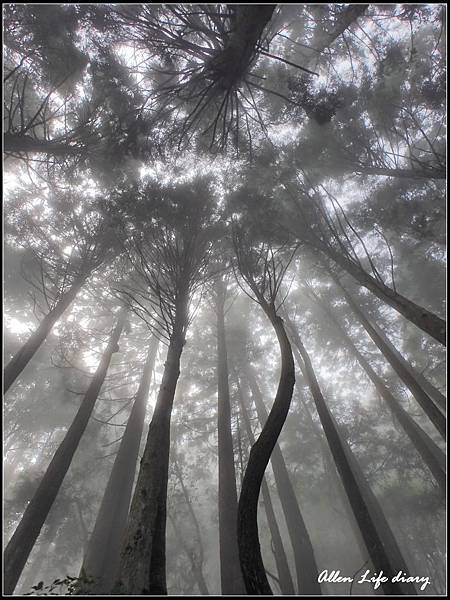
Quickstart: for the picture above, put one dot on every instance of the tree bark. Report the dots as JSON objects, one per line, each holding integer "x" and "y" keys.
{"x": 21, "y": 543}
{"x": 102, "y": 557}
{"x": 230, "y": 569}
{"x": 143, "y": 557}
{"x": 380, "y": 542}
{"x": 422, "y": 318}
{"x": 284, "y": 574}
{"x": 405, "y": 374}
{"x": 430, "y": 452}
{"x": 249, "y": 548}
{"x": 305, "y": 563}
{"x": 23, "y": 356}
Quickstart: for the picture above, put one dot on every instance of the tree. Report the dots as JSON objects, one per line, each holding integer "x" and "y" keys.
{"x": 379, "y": 539}
{"x": 230, "y": 573}
{"x": 21, "y": 543}
{"x": 284, "y": 575}
{"x": 102, "y": 556}
{"x": 263, "y": 271}
{"x": 179, "y": 253}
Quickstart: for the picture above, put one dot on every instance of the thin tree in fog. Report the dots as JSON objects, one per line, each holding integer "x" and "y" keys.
{"x": 375, "y": 530}
{"x": 284, "y": 574}
{"x": 170, "y": 264}
{"x": 230, "y": 570}
{"x": 26, "y": 533}
{"x": 263, "y": 268}
{"x": 432, "y": 455}
{"x": 102, "y": 556}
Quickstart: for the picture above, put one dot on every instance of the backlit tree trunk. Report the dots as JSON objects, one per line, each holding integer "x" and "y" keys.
{"x": 23, "y": 356}
{"x": 375, "y": 530}
{"x": 230, "y": 570}
{"x": 22, "y": 542}
{"x": 305, "y": 562}
{"x": 143, "y": 558}
{"x": 430, "y": 452}
{"x": 249, "y": 548}
{"x": 422, "y": 318}
{"x": 405, "y": 374}
{"x": 102, "y": 557}
{"x": 284, "y": 574}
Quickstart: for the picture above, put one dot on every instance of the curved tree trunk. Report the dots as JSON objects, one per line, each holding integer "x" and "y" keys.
{"x": 230, "y": 569}
{"x": 142, "y": 568}
{"x": 305, "y": 562}
{"x": 375, "y": 530}
{"x": 422, "y": 318}
{"x": 23, "y": 356}
{"x": 430, "y": 452}
{"x": 102, "y": 557}
{"x": 405, "y": 374}
{"x": 284, "y": 574}
{"x": 249, "y": 549}
{"x": 21, "y": 543}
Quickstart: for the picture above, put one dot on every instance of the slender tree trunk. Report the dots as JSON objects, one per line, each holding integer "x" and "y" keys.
{"x": 198, "y": 573}
{"x": 375, "y": 530}
{"x": 422, "y": 318}
{"x": 430, "y": 452}
{"x": 102, "y": 557}
{"x": 142, "y": 568}
{"x": 284, "y": 574}
{"x": 23, "y": 356}
{"x": 435, "y": 395}
{"x": 249, "y": 549}
{"x": 230, "y": 569}
{"x": 405, "y": 374}
{"x": 196, "y": 564}
{"x": 21, "y": 543}
{"x": 305, "y": 563}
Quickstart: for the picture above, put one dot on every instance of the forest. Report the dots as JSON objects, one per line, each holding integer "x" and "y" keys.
{"x": 224, "y": 299}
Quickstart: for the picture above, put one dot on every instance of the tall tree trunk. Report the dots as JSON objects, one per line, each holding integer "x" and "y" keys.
{"x": 196, "y": 564}
{"x": 284, "y": 574}
{"x": 21, "y": 543}
{"x": 23, "y": 356}
{"x": 198, "y": 573}
{"x": 405, "y": 374}
{"x": 430, "y": 452}
{"x": 305, "y": 563}
{"x": 249, "y": 549}
{"x": 375, "y": 530}
{"x": 230, "y": 569}
{"x": 422, "y": 318}
{"x": 143, "y": 558}
{"x": 102, "y": 557}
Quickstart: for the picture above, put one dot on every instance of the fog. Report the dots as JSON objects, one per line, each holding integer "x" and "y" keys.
{"x": 224, "y": 299}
